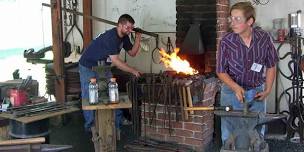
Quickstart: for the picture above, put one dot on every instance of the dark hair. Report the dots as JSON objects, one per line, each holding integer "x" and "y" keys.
{"x": 125, "y": 18}
{"x": 247, "y": 8}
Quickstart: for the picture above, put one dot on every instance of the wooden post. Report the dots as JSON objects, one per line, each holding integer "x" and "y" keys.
{"x": 107, "y": 131}
{"x": 58, "y": 50}
{"x": 87, "y": 23}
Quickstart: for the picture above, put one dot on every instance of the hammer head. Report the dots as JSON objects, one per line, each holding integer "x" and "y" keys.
{"x": 228, "y": 108}
{"x": 225, "y": 108}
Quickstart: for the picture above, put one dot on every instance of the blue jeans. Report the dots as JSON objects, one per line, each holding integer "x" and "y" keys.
{"x": 89, "y": 115}
{"x": 228, "y": 98}
{"x": 85, "y": 75}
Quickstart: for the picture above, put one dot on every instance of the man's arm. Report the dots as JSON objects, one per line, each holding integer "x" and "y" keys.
{"x": 238, "y": 90}
{"x": 270, "y": 75}
{"x": 136, "y": 45}
{"x": 123, "y": 66}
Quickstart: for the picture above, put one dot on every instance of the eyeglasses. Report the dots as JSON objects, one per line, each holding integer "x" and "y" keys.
{"x": 129, "y": 28}
{"x": 236, "y": 19}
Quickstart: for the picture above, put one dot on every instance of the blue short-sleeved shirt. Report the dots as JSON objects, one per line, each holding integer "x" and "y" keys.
{"x": 108, "y": 43}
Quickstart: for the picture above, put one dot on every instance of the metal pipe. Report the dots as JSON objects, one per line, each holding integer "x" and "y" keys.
{"x": 102, "y": 20}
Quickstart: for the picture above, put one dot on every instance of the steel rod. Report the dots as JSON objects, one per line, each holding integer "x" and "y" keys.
{"x": 100, "y": 19}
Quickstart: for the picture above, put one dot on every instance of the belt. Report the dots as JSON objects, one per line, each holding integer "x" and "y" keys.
{"x": 250, "y": 87}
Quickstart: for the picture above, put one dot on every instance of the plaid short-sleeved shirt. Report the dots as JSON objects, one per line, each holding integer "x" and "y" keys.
{"x": 236, "y": 59}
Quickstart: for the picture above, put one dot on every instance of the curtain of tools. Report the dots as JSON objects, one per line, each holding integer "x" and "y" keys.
{"x": 293, "y": 94}
{"x": 70, "y": 20}
{"x": 151, "y": 90}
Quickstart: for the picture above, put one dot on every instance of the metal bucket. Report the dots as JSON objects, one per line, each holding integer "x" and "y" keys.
{"x": 29, "y": 130}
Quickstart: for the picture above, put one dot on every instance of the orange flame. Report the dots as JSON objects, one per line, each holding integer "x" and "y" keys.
{"x": 176, "y": 63}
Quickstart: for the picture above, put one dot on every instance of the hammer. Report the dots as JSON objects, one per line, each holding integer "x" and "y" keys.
{"x": 225, "y": 108}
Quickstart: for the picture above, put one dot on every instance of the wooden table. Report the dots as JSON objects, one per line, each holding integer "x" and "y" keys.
{"x": 105, "y": 121}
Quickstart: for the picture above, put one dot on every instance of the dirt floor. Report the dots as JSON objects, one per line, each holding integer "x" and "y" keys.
{"x": 72, "y": 133}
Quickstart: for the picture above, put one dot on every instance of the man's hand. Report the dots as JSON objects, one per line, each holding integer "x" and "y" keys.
{"x": 136, "y": 73}
{"x": 123, "y": 66}
{"x": 238, "y": 90}
{"x": 136, "y": 45}
{"x": 262, "y": 95}
{"x": 239, "y": 93}
{"x": 138, "y": 36}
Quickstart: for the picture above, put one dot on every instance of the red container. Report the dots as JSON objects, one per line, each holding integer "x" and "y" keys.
{"x": 18, "y": 97}
{"x": 281, "y": 35}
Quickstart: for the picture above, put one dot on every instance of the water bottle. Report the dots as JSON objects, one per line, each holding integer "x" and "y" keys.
{"x": 93, "y": 92}
{"x": 113, "y": 91}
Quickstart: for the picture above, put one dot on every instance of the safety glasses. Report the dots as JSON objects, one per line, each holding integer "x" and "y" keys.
{"x": 236, "y": 19}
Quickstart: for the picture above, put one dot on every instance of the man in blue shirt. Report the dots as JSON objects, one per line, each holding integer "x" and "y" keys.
{"x": 106, "y": 48}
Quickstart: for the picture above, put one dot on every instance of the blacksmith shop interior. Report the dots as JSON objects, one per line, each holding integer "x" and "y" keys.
{"x": 151, "y": 76}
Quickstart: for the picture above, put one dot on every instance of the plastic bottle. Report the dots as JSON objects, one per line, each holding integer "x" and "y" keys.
{"x": 113, "y": 91}
{"x": 93, "y": 92}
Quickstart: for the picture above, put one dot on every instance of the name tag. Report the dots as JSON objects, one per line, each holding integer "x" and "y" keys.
{"x": 256, "y": 67}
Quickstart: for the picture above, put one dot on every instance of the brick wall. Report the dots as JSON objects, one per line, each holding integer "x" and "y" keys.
{"x": 222, "y": 9}
{"x": 196, "y": 132}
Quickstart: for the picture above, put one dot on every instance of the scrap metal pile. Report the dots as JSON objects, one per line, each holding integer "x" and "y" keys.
{"x": 71, "y": 77}
{"x": 168, "y": 89}
{"x": 149, "y": 145}
{"x": 39, "y": 108}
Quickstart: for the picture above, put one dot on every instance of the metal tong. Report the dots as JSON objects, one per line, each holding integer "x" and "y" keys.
{"x": 25, "y": 83}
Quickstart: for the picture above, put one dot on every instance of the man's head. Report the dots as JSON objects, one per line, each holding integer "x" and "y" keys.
{"x": 125, "y": 24}
{"x": 242, "y": 16}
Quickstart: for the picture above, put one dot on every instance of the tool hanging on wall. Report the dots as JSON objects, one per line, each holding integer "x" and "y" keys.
{"x": 170, "y": 47}
{"x": 70, "y": 19}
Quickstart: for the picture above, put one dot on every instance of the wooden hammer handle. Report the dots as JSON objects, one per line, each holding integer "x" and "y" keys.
{"x": 199, "y": 108}
{"x": 23, "y": 141}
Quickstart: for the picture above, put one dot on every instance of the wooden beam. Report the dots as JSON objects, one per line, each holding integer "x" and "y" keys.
{"x": 58, "y": 50}
{"x": 87, "y": 23}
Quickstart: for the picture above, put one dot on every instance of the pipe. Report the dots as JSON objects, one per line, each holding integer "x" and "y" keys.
{"x": 102, "y": 20}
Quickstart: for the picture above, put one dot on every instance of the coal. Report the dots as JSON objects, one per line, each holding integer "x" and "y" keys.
{"x": 276, "y": 145}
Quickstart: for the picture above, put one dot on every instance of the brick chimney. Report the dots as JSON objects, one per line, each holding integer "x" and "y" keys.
{"x": 211, "y": 15}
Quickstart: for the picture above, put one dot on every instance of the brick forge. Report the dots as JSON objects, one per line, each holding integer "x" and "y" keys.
{"x": 196, "y": 132}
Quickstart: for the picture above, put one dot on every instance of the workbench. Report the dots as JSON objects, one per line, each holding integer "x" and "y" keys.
{"x": 105, "y": 121}
{"x": 27, "y": 119}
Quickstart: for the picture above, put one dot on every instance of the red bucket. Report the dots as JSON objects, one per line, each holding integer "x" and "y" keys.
{"x": 18, "y": 97}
